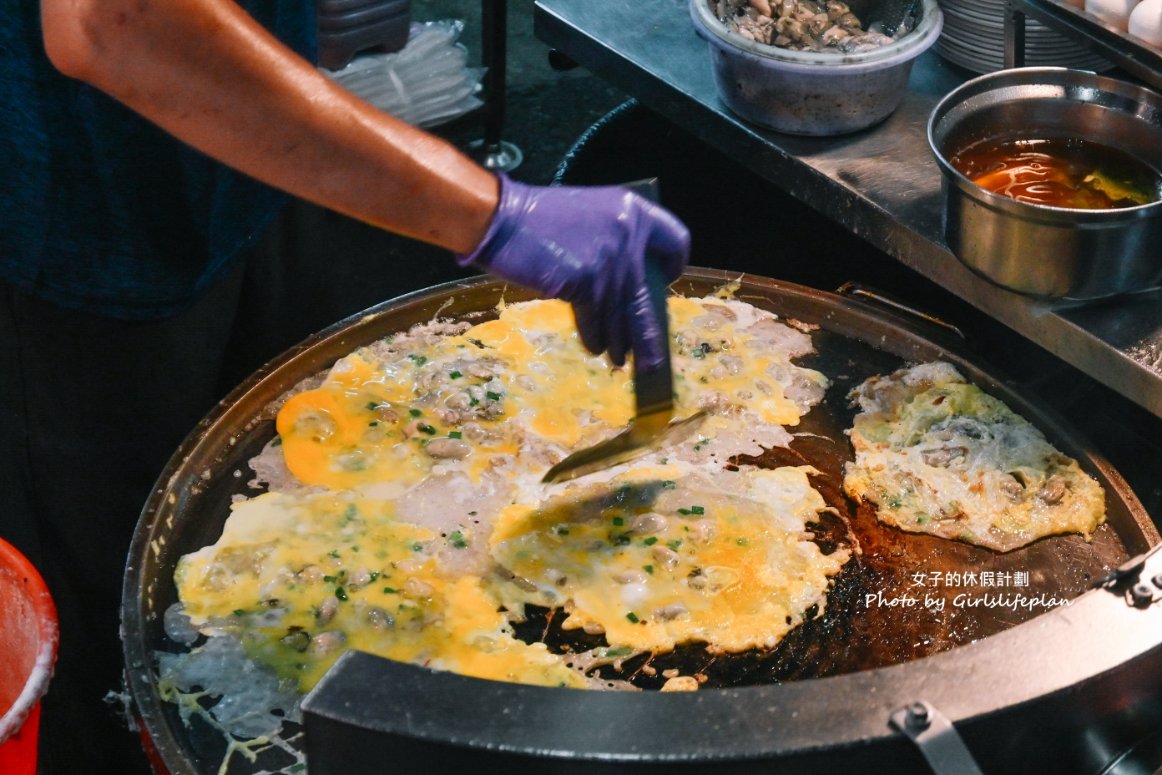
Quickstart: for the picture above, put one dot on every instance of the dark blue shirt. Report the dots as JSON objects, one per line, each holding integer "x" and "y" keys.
{"x": 102, "y": 211}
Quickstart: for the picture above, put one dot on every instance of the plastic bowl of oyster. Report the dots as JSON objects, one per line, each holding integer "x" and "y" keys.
{"x": 812, "y": 67}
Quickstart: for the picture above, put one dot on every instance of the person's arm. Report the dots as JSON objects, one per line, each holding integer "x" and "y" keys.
{"x": 205, "y": 71}
{"x": 209, "y": 74}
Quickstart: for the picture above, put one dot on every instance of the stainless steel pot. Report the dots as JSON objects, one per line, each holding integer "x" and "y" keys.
{"x": 1051, "y": 252}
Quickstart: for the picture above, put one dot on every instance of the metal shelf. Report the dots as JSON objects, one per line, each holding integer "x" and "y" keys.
{"x": 1128, "y": 52}
{"x": 881, "y": 184}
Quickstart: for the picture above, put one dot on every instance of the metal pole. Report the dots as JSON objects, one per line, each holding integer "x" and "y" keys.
{"x": 1014, "y": 36}
{"x": 493, "y": 152}
{"x": 494, "y": 50}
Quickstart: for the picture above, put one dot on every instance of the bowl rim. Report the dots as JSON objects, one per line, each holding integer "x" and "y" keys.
{"x": 20, "y": 574}
{"x": 1025, "y": 76}
{"x": 910, "y": 46}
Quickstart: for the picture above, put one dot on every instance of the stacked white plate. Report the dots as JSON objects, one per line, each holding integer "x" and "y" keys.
{"x": 974, "y": 38}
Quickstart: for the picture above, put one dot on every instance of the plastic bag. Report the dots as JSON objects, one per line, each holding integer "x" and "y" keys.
{"x": 426, "y": 83}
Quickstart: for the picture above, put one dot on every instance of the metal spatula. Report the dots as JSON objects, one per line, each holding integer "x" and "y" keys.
{"x": 654, "y": 395}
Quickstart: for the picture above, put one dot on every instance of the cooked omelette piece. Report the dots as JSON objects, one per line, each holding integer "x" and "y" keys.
{"x": 658, "y": 557}
{"x": 936, "y": 454}
{"x": 301, "y": 579}
{"x": 514, "y": 395}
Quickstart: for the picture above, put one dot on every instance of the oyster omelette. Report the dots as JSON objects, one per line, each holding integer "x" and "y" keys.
{"x": 936, "y": 454}
{"x": 404, "y": 513}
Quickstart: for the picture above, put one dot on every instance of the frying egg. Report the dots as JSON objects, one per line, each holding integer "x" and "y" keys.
{"x": 405, "y": 497}
{"x": 661, "y": 556}
{"x": 520, "y": 392}
{"x": 302, "y": 579}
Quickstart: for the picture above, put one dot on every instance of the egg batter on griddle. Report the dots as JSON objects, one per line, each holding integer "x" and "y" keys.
{"x": 405, "y": 514}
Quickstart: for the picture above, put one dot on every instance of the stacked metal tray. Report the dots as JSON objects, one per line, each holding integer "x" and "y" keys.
{"x": 974, "y": 38}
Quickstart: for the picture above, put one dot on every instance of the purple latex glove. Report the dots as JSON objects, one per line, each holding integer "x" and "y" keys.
{"x": 588, "y": 246}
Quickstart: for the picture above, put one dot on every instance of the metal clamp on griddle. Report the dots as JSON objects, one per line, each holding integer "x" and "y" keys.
{"x": 937, "y": 739}
{"x": 1127, "y": 581}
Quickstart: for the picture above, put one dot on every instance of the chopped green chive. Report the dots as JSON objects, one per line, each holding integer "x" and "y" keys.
{"x": 562, "y": 531}
{"x": 674, "y": 544}
{"x": 414, "y": 412}
{"x": 374, "y": 575}
{"x": 650, "y": 541}
{"x": 648, "y": 569}
{"x": 455, "y": 435}
{"x": 457, "y": 539}
{"x": 373, "y": 423}
{"x": 632, "y": 618}
{"x": 669, "y": 484}
{"x": 428, "y": 429}
{"x": 623, "y": 651}
{"x": 333, "y": 554}
{"x": 239, "y": 612}
{"x": 390, "y": 590}
{"x": 341, "y": 593}
{"x": 372, "y": 406}
{"x": 695, "y": 510}
{"x": 618, "y": 521}
{"x": 455, "y": 374}
{"x": 420, "y": 360}
{"x": 277, "y": 441}
{"x": 417, "y": 547}
{"x": 330, "y": 579}
{"x": 493, "y": 396}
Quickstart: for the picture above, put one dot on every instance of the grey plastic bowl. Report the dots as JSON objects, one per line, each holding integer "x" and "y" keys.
{"x": 1050, "y": 252}
{"x": 812, "y": 92}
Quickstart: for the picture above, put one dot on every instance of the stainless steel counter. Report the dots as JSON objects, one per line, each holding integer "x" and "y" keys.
{"x": 882, "y": 184}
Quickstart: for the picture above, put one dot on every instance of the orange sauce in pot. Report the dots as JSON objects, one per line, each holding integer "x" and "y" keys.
{"x": 1071, "y": 173}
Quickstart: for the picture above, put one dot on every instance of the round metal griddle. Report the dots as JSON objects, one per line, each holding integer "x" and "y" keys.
{"x": 851, "y": 640}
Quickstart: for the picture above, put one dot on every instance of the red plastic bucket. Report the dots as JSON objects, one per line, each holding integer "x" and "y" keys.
{"x": 28, "y": 644}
